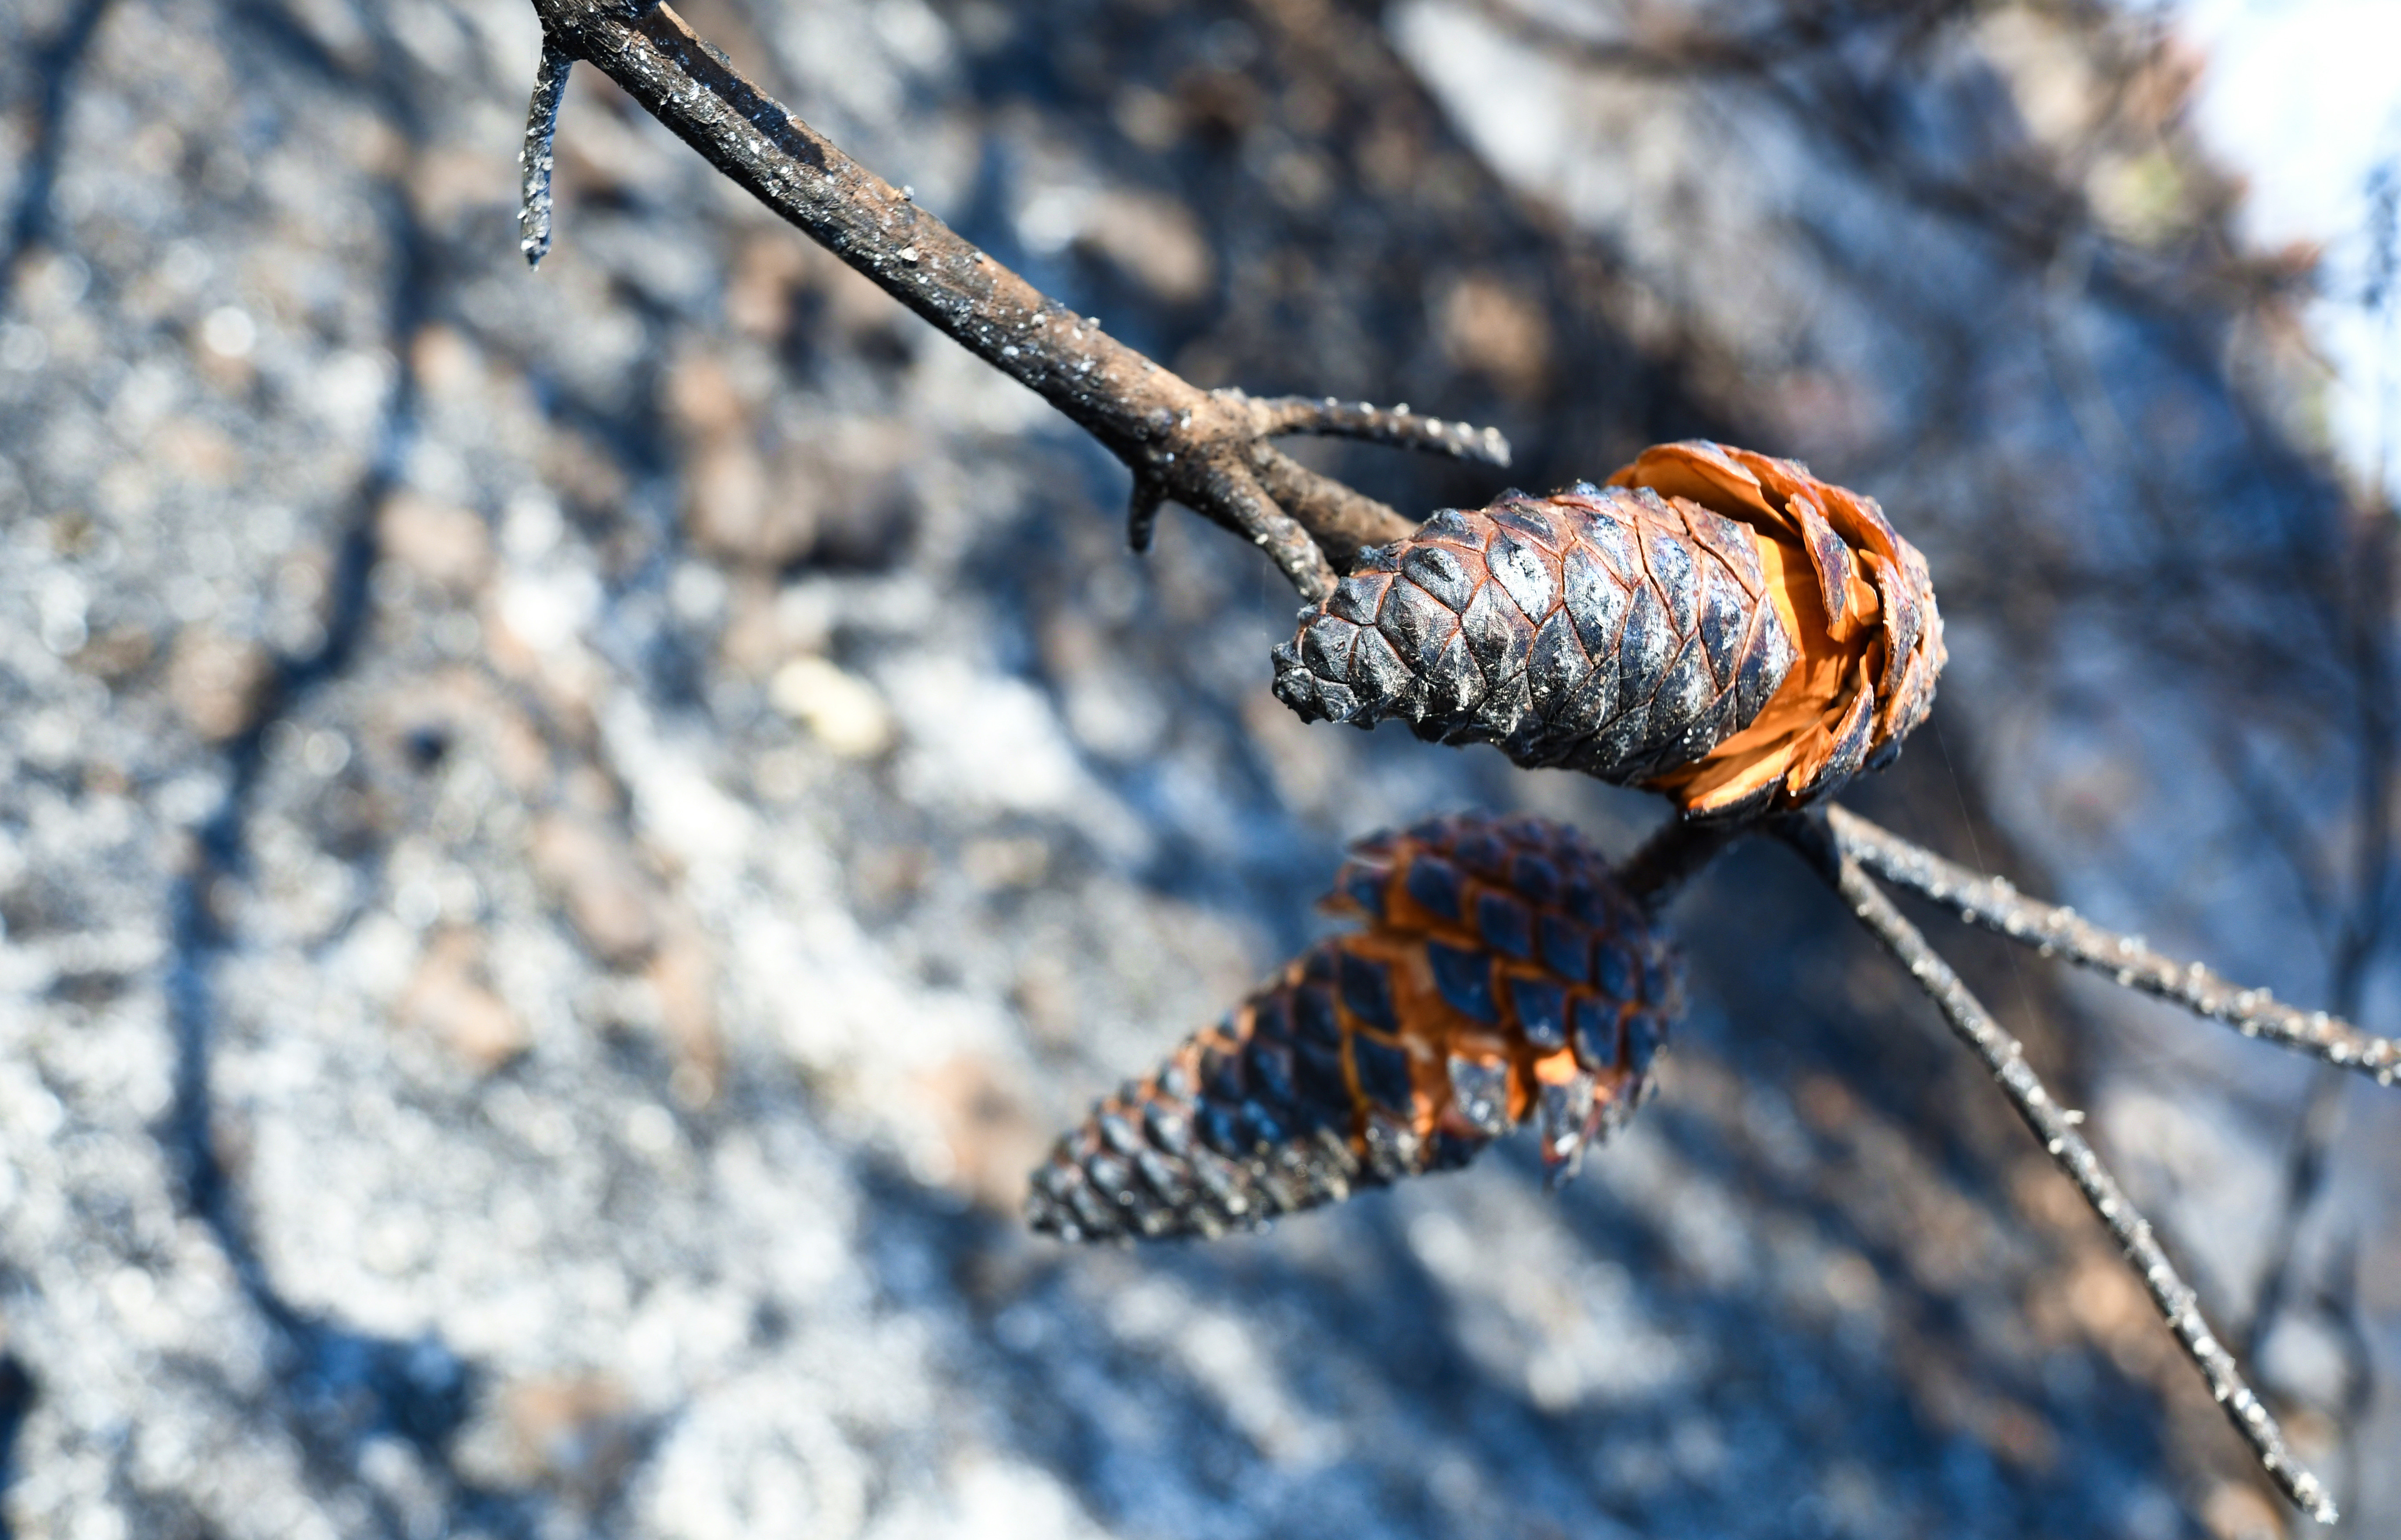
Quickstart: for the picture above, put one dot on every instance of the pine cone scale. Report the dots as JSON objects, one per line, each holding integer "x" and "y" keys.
{"x": 1594, "y": 703}
{"x": 1595, "y": 602}
{"x": 1440, "y": 572}
{"x": 1723, "y": 624}
{"x": 1557, "y": 665}
{"x": 1359, "y": 597}
{"x": 1608, "y": 754}
{"x": 1729, "y": 542}
{"x": 1416, "y": 623}
{"x": 1497, "y": 634}
{"x": 1674, "y": 573}
{"x": 1325, "y": 646}
{"x": 1524, "y": 575}
{"x": 1643, "y": 648}
{"x": 1455, "y": 686}
{"x": 1766, "y": 662}
{"x": 1680, "y": 709}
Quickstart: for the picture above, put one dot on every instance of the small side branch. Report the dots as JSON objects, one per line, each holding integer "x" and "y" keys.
{"x": 1142, "y": 514}
{"x": 1397, "y": 426}
{"x": 1992, "y": 902}
{"x": 2055, "y": 1126}
{"x": 535, "y": 159}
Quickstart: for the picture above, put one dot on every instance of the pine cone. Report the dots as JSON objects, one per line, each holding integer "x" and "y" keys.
{"x": 1715, "y": 624}
{"x": 1503, "y": 976}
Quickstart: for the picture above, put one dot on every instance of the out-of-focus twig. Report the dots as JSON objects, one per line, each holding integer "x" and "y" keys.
{"x": 2305, "y": 1171}
{"x": 2030, "y": 209}
{"x": 2366, "y": 920}
{"x": 1995, "y": 904}
{"x": 2338, "y": 1303}
{"x": 2002, "y": 1055}
{"x": 53, "y": 67}
{"x": 1207, "y": 449}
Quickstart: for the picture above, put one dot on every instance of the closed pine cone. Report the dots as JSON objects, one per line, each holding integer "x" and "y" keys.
{"x": 1716, "y": 624}
{"x": 1502, "y": 977}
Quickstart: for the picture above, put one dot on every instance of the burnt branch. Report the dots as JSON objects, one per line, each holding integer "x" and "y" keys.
{"x": 1206, "y": 449}
{"x": 2051, "y": 930}
{"x": 2004, "y": 1056}
{"x": 534, "y": 163}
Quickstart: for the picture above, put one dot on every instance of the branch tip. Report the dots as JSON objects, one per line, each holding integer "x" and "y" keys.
{"x": 1142, "y": 514}
{"x": 535, "y": 160}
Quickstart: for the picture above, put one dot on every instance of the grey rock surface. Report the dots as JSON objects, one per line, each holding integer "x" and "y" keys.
{"x": 565, "y": 840}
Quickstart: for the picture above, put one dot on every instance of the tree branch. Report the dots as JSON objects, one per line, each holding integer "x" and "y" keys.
{"x": 1993, "y": 904}
{"x": 1206, "y": 449}
{"x": 2055, "y": 1126}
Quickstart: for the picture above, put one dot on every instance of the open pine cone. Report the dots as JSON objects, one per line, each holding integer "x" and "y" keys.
{"x": 1716, "y": 624}
{"x": 1503, "y": 976}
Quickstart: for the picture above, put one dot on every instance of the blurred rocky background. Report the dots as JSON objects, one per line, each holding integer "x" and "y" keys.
{"x": 567, "y": 838}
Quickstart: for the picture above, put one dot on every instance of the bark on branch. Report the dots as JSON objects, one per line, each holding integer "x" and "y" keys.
{"x": 1207, "y": 449}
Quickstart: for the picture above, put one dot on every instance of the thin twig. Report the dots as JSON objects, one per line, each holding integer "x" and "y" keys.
{"x": 1207, "y": 449}
{"x": 1397, "y": 426}
{"x": 534, "y": 161}
{"x": 2305, "y": 1172}
{"x": 1142, "y": 514}
{"x": 2055, "y": 1126}
{"x": 2361, "y": 934}
{"x": 1992, "y": 902}
{"x": 2338, "y": 1304}
{"x": 2031, "y": 216}
{"x": 1672, "y": 857}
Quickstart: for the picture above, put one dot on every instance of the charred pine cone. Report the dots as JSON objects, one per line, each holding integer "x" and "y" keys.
{"x": 1715, "y": 624}
{"x": 1502, "y": 977}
